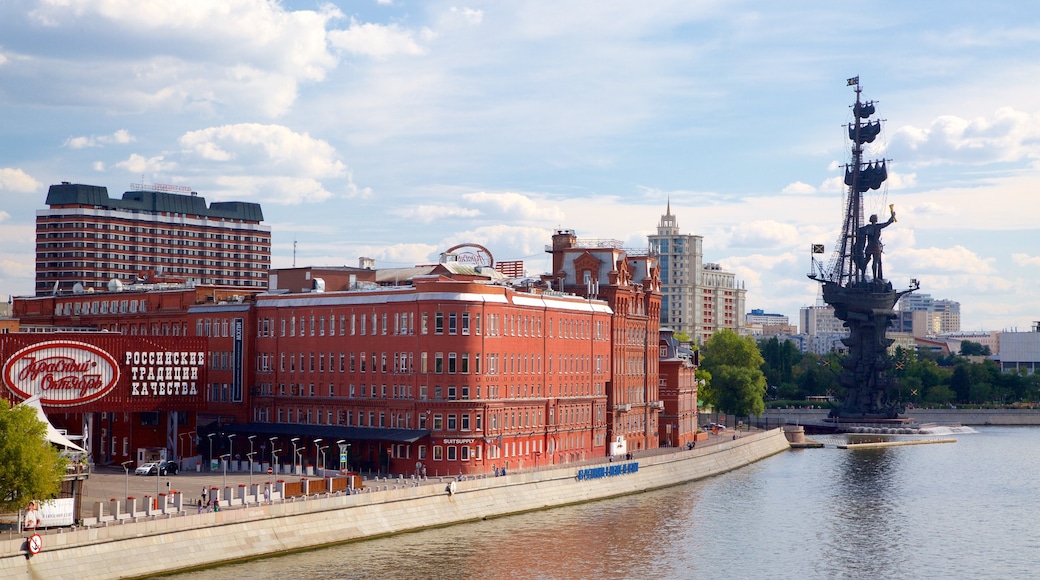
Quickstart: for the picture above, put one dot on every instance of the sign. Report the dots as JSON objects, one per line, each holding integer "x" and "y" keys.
{"x": 56, "y": 512}
{"x": 35, "y": 544}
{"x": 164, "y": 373}
{"x": 270, "y": 471}
{"x": 62, "y": 373}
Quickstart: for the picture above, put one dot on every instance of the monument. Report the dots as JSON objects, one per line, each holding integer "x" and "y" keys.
{"x": 864, "y": 302}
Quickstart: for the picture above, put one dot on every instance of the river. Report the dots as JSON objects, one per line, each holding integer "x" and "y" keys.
{"x": 955, "y": 510}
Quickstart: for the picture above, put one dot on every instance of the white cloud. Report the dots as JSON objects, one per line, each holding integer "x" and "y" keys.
{"x": 376, "y": 40}
{"x": 151, "y": 165}
{"x": 506, "y": 241}
{"x": 470, "y": 15}
{"x": 514, "y": 206}
{"x": 277, "y": 190}
{"x": 17, "y": 180}
{"x": 955, "y": 259}
{"x": 1009, "y": 135}
{"x": 120, "y": 137}
{"x": 799, "y": 188}
{"x": 1026, "y": 260}
{"x": 274, "y": 147}
{"x": 182, "y": 54}
{"x": 763, "y": 234}
{"x": 4, "y": 216}
{"x": 431, "y": 213}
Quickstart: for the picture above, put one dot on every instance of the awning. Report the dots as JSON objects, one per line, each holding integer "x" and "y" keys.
{"x": 327, "y": 432}
{"x": 53, "y": 435}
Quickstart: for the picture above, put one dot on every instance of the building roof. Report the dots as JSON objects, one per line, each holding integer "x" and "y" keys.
{"x": 152, "y": 201}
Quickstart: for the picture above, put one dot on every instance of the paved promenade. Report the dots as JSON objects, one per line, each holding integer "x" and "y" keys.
{"x": 106, "y": 483}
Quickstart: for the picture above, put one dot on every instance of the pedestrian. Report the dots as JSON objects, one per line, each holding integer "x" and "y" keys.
{"x": 200, "y": 508}
{"x": 204, "y": 494}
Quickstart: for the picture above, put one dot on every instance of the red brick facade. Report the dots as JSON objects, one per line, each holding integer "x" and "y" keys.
{"x": 445, "y": 373}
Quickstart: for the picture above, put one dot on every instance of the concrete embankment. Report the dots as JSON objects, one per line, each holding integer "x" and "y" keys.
{"x": 154, "y": 546}
{"x": 879, "y": 444}
{"x": 973, "y": 417}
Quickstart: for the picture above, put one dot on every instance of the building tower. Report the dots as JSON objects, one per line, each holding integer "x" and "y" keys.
{"x": 697, "y": 298}
{"x": 85, "y": 239}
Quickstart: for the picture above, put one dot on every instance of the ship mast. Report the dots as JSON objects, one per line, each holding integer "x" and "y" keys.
{"x": 847, "y": 267}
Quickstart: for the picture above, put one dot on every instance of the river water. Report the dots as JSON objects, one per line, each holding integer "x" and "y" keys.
{"x": 956, "y": 510}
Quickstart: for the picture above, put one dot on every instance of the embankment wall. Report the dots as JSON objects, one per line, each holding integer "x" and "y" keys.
{"x": 975, "y": 417}
{"x": 165, "y": 544}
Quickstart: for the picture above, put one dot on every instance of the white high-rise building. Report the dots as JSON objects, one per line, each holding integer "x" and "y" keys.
{"x": 697, "y": 298}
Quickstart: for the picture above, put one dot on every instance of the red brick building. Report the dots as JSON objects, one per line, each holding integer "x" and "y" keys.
{"x": 678, "y": 389}
{"x": 441, "y": 369}
{"x": 629, "y": 282}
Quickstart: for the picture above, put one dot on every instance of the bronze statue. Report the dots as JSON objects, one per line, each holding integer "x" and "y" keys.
{"x": 869, "y": 241}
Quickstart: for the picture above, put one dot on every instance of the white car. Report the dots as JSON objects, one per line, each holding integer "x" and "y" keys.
{"x": 146, "y": 468}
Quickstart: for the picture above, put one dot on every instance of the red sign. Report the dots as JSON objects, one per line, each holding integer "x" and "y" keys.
{"x": 62, "y": 373}
{"x": 35, "y": 543}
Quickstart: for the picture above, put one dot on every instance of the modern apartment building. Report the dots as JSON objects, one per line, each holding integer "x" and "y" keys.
{"x": 697, "y": 298}
{"x": 944, "y": 316}
{"x": 86, "y": 239}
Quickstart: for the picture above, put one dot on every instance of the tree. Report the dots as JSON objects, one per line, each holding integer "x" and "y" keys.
{"x": 737, "y": 385}
{"x": 972, "y": 348}
{"x": 30, "y": 467}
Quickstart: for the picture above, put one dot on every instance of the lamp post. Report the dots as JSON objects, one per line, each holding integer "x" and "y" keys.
{"x": 342, "y": 451}
{"x": 274, "y": 455}
{"x": 251, "y": 437}
{"x": 231, "y": 447}
{"x": 126, "y": 468}
{"x": 293, "y": 441}
{"x": 210, "y": 457}
{"x": 321, "y": 450}
{"x": 225, "y": 457}
{"x": 250, "y": 456}
{"x": 317, "y": 452}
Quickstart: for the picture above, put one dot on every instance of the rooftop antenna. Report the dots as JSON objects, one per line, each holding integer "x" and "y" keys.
{"x": 294, "y": 252}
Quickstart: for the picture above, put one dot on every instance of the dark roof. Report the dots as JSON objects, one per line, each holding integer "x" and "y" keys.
{"x": 328, "y": 432}
{"x": 152, "y": 201}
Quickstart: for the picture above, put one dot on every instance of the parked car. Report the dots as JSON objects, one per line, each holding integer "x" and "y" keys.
{"x": 714, "y": 427}
{"x": 164, "y": 467}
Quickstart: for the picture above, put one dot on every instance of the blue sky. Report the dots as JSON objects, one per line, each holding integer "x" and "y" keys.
{"x": 395, "y": 130}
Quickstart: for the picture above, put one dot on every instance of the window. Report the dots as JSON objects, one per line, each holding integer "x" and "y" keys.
{"x": 452, "y": 363}
{"x": 465, "y": 323}
{"x": 453, "y": 422}
{"x": 451, "y": 394}
{"x": 438, "y": 323}
{"x": 451, "y": 452}
{"x": 453, "y": 323}
{"x": 438, "y": 422}
{"x": 465, "y": 422}
{"x": 438, "y": 453}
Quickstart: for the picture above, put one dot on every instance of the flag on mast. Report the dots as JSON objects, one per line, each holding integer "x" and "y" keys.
{"x": 853, "y": 81}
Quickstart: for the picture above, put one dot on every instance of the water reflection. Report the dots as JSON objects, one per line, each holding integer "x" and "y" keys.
{"x": 937, "y": 511}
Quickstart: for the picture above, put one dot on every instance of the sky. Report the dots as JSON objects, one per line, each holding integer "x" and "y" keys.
{"x": 396, "y": 129}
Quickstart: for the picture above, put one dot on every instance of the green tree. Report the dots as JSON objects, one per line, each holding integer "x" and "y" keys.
{"x": 737, "y": 385}
{"x": 30, "y": 467}
{"x": 972, "y": 348}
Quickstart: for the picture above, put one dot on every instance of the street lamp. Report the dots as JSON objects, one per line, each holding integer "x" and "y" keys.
{"x": 274, "y": 455}
{"x": 231, "y": 445}
{"x": 342, "y": 451}
{"x": 126, "y": 468}
{"x": 293, "y": 441}
{"x": 317, "y": 452}
{"x": 225, "y": 458}
{"x": 321, "y": 450}
{"x": 251, "y": 437}
{"x": 210, "y": 457}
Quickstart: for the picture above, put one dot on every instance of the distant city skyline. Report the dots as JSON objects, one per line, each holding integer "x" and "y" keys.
{"x": 394, "y": 129}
